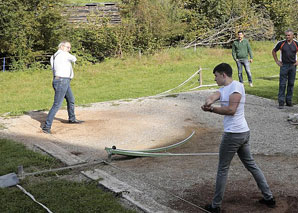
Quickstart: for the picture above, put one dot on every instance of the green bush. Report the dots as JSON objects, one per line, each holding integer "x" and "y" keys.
{"x": 31, "y": 28}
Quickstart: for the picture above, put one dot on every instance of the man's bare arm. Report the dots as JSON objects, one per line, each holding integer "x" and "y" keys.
{"x": 211, "y": 100}
{"x": 234, "y": 101}
{"x": 279, "y": 63}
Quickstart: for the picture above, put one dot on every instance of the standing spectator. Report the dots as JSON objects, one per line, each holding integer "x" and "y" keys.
{"x": 287, "y": 63}
{"x": 240, "y": 51}
{"x": 62, "y": 75}
{"x": 236, "y": 135}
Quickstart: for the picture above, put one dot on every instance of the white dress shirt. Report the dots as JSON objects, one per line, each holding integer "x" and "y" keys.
{"x": 61, "y": 64}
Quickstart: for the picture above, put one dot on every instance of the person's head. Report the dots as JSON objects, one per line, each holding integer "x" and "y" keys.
{"x": 65, "y": 46}
{"x": 240, "y": 35}
{"x": 223, "y": 74}
{"x": 289, "y": 35}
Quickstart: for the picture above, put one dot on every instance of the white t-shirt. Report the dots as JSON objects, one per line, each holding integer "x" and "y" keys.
{"x": 234, "y": 123}
{"x": 61, "y": 64}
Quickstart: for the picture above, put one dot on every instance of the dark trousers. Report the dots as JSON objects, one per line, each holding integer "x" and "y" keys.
{"x": 287, "y": 77}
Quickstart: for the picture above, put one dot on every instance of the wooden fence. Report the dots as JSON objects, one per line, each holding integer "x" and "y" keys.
{"x": 85, "y": 13}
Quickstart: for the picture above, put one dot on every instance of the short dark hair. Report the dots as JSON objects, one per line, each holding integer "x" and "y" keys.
{"x": 289, "y": 31}
{"x": 241, "y": 31}
{"x": 224, "y": 68}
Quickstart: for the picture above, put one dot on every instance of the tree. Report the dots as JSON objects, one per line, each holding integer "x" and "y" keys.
{"x": 153, "y": 24}
{"x": 283, "y": 14}
{"x": 29, "y": 28}
{"x": 221, "y": 20}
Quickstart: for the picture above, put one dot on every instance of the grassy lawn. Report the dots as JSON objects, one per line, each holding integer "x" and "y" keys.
{"x": 133, "y": 77}
{"x": 13, "y": 154}
{"x": 57, "y": 194}
{"x": 130, "y": 77}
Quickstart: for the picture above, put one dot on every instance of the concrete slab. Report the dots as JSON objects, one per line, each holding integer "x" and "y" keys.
{"x": 60, "y": 153}
{"x": 133, "y": 195}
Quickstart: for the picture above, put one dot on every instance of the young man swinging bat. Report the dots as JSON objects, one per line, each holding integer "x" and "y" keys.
{"x": 235, "y": 138}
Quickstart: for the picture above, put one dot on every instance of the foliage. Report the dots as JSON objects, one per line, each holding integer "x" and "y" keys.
{"x": 283, "y": 14}
{"x": 151, "y": 24}
{"x": 205, "y": 17}
{"x": 94, "y": 41}
{"x": 29, "y": 28}
{"x": 89, "y": 1}
{"x": 33, "y": 28}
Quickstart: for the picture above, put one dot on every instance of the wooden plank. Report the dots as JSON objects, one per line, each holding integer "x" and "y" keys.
{"x": 60, "y": 153}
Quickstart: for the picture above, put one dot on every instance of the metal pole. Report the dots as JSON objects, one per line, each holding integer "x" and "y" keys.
{"x": 201, "y": 78}
{"x": 3, "y": 64}
{"x": 20, "y": 171}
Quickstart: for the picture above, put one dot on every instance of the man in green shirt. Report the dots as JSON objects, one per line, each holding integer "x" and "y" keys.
{"x": 240, "y": 51}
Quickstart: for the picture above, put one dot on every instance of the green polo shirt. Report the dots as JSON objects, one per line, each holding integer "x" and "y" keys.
{"x": 240, "y": 50}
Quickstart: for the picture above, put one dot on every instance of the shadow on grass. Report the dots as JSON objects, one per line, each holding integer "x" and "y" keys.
{"x": 270, "y": 78}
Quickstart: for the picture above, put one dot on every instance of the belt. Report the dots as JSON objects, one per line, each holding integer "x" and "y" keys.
{"x": 58, "y": 77}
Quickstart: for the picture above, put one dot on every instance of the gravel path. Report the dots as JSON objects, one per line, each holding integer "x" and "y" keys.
{"x": 157, "y": 121}
{"x": 271, "y": 133}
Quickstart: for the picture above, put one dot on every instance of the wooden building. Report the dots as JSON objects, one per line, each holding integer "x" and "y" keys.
{"x": 88, "y": 12}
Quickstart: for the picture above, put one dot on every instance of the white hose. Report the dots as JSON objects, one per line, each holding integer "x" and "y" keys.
{"x": 31, "y": 196}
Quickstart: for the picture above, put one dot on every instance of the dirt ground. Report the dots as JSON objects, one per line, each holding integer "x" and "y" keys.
{"x": 193, "y": 178}
{"x": 155, "y": 122}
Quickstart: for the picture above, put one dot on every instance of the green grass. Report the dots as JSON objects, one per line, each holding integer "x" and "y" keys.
{"x": 57, "y": 194}
{"x": 13, "y": 154}
{"x": 133, "y": 77}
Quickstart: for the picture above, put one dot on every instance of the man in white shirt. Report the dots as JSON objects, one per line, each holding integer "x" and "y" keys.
{"x": 62, "y": 74}
{"x": 236, "y": 135}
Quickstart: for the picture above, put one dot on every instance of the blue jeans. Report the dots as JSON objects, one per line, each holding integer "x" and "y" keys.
{"x": 231, "y": 144}
{"x": 240, "y": 63}
{"x": 287, "y": 75}
{"x": 62, "y": 90}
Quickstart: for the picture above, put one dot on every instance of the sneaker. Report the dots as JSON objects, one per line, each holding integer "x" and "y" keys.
{"x": 270, "y": 203}
{"x": 75, "y": 121}
{"x": 289, "y": 104}
{"x": 280, "y": 105}
{"x": 47, "y": 131}
{"x": 209, "y": 208}
{"x": 251, "y": 85}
